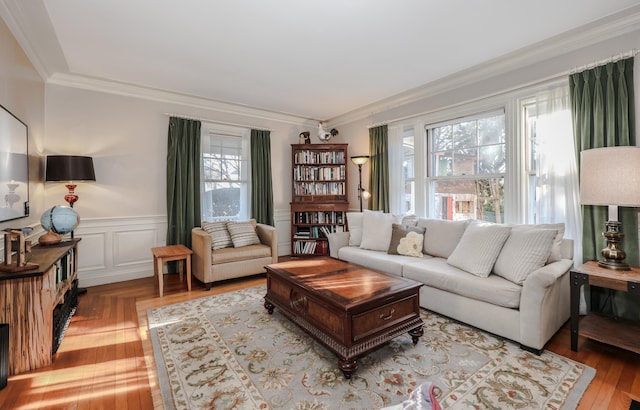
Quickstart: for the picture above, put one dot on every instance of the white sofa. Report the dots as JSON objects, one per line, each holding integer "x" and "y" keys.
{"x": 528, "y": 309}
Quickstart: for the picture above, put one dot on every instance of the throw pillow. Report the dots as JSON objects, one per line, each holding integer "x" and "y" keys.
{"x": 442, "y": 236}
{"x": 243, "y": 234}
{"x": 411, "y": 245}
{"x": 376, "y": 230}
{"x": 479, "y": 248}
{"x": 354, "y": 220}
{"x": 409, "y": 220}
{"x": 220, "y": 237}
{"x": 399, "y": 232}
{"x": 524, "y": 252}
{"x": 556, "y": 253}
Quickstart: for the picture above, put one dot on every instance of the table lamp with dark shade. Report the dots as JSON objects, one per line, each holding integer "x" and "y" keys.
{"x": 611, "y": 176}
{"x": 69, "y": 169}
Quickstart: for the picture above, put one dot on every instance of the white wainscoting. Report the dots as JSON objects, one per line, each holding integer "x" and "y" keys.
{"x": 282, "y": 221}
{"x": 118, "y": 249}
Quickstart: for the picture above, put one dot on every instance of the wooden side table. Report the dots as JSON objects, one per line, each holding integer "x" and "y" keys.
{"x": 163, "y": 254}
{"x": 617, "y": 332}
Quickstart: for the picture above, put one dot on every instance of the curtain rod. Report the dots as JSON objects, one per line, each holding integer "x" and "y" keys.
{"x": 611, "y": 59}
{"x": 233, "y": 124}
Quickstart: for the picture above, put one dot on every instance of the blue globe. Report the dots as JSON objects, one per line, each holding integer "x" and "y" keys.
{"x": 60, "y": 219}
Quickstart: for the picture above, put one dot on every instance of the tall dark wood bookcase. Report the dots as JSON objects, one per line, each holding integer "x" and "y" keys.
{"x": 319, "y": 202}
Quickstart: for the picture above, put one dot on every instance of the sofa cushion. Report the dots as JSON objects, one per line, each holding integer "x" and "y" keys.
{"x": 354, "y": 220}
{"x": 441, "y": 236}
{"x": 381, "y": 261}
{"x": 479, "y": 248}
{"x": 556, "y": 250}
{"x": 376, "y": 230}
{"x": 525, "y": 251}
{"x": 243, "y": 233}
{"x": 398, "y": 232}
{"x": 240, "y": 254}
{"x": 437, "y": 273}
{"x": 220, "y": 237}
{"x": 411, "y": 245}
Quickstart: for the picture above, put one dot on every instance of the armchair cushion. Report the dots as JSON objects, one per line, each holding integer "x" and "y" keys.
{"x": 220, "y": 237}
{"x": 243, "y": 234}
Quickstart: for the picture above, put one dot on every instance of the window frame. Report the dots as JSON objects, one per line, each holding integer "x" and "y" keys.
{"x": 517, "y": 201}
{"x": 431, "y": 174}
{"x": 243, "y": 137}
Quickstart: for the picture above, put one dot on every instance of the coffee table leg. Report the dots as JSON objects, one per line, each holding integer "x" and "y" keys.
{"x": 269, "y": 306}
{"x": 416, "y": 333}
{"x": 348, "y": 367}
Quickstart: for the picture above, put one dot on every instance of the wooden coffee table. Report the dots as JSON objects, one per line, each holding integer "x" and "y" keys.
{"x": 348, "y": 308}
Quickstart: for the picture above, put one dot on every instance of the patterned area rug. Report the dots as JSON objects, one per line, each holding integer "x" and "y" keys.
{"x": 226, "y": 352}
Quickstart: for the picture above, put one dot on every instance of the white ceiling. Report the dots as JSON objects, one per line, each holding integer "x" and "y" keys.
{"x": 312, "y": 58}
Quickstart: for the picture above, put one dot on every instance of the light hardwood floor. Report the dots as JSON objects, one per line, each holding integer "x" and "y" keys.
{"x": 101, "y": 365}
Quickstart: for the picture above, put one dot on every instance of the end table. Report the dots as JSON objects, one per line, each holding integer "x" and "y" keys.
{"x": 163, "y": 254}
{"x": 617, "y": 332}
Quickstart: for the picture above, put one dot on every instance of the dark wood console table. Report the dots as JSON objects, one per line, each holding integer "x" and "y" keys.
{"x": 38, "y": 303}
{"x": 617, "y": 332}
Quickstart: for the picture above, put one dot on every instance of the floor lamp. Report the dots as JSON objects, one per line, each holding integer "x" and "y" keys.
{"x": 360, "y": 160}
{"x": 611, "y": 176}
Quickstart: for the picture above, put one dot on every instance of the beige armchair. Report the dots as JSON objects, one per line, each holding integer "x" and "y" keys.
{"x": 210, "y": 266}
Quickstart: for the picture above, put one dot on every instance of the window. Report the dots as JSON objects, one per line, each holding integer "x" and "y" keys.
{"x": 408, "y": 205}
{"x": 466, "y": 167}
{"x": 225, "y": 173}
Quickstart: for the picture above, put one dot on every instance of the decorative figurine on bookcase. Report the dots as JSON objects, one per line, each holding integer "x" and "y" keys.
{"x": 325, "y": 136}
{"x": 14, "y": 241}
{"x": 304, "y": 137}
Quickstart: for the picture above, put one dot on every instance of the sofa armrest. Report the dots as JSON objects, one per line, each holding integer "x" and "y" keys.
{"x": 337, "y": 240}
{"x": 201, "y": 257}
{"x": 544, "y": 303}
{"x": 268, "y": 236}
{"x": 547, "y": 275}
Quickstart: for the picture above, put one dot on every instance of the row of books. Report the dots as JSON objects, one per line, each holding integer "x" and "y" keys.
{"x": 311, "y": 247}
{"x": 319, "y": 173}
{"x": 319, "y": 188}
{"x": 319, "y": 157}
{"x": 314, "y": 232}
{"x": 319, "y": 217}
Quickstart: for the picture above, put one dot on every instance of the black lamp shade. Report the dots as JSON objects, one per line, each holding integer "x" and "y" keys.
{"x": 69, "y": 168}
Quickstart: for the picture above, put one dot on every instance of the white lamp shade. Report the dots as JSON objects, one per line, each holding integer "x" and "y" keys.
{"x": 360, "y": 159}
{"x": 610, "y": 176}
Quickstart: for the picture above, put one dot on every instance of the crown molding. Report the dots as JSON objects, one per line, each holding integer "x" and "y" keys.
{"x": 153, "y": 94}
{"x": 39, "y": 43}
{"x": 599, "y": 31}
{"x": 8, "y": 14}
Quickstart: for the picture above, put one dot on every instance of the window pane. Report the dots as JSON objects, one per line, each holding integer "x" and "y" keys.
{"x": 221, "y": 200}
{"x": 492, "y": 159}
{"x": 465, "y": 133}
{"x": 464, "y": 161}
{"x": 442, "y": 138}
{"x": 443, "y": 163}
{"x": 491, "y": 130}
{"x": 459, "y": 199}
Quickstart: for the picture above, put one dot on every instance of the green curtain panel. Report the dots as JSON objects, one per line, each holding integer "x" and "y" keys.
{"x": 183, "y": 180}
{"x": 602, "y": 105}
{"x": 261, "y": 185}
{"x": 379, "y": 168}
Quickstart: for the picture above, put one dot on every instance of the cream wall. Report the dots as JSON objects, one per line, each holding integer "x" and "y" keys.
{"x": 22, "y": 93}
